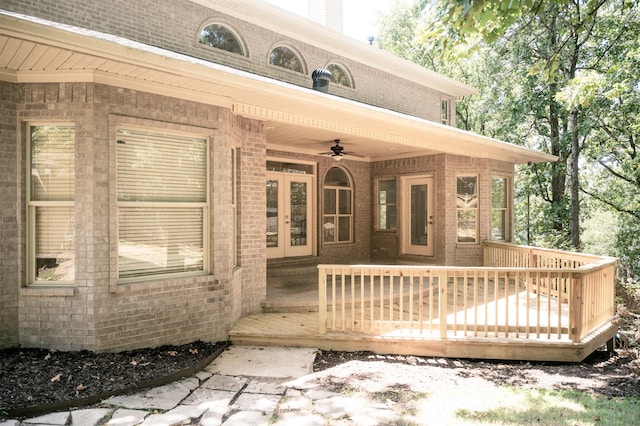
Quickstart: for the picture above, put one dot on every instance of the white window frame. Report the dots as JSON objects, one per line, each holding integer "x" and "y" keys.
{"x": 337, "y": 214}
{"x": 299, "y": 56}
{"x": 476, "y": 210}
{"x": 445, "y": 112}
{"x": 33, "y": 205}
{"x": 427, "y": 247}
{"x": 344, "y": 71}
{"x": 204, "y": 206}
{"x": 507, "y": 209}
{"x": 231, "y": 30}
{"x": 234, "y": 205}
{"x": 379, "y": 205}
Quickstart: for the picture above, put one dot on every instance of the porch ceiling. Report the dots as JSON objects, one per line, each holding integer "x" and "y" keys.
{"x": 38, "y": 51}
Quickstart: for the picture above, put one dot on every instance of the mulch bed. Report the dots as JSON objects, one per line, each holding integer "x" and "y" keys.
{"x": 40, "y": 377}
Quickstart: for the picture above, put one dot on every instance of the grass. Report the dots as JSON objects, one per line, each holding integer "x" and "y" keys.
{"x": 494, "y": 405}
{"x": 482, "y": 403}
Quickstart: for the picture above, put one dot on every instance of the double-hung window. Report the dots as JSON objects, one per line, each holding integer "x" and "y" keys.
{"x": 51, "y": 204}
{"x": 163, "y": 204}
{"x": 499, "y": 209}
{"x": 467, "y": 209}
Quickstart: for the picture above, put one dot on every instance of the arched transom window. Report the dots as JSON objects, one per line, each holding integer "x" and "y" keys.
{"x": 285, "y": 57}
{"x": 337, "y": 222}
{"x": 221, "y": 37}
{"x": 339, "y": 75}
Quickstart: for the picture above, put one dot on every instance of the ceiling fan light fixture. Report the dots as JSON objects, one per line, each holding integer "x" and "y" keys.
{"x": 337, "y": 150}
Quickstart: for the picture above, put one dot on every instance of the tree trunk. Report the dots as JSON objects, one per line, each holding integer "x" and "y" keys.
{"x": 558, "y": 177}
{"x": 575, "y": 179}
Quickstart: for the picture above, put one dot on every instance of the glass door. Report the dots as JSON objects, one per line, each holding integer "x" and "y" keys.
{"x": 417, "y": 233}
{"x": 289, "y": 215}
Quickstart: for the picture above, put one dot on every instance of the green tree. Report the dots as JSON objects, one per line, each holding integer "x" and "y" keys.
{"x": 609, "y": 93}
{"x": 524, "y": 56}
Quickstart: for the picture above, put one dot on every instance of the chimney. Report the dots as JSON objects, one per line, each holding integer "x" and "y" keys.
{"x": 327, "y": 13}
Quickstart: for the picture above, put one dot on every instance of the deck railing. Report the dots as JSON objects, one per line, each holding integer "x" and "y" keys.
{"x": 521, "y": 292}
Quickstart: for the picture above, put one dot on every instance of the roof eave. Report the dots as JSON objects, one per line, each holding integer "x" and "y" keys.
{"x": 401, "y": 128}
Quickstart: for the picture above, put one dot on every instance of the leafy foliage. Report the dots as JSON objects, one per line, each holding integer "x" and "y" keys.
{"x": 561, "y": 76}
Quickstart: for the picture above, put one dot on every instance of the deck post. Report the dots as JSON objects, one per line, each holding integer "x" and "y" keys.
{"x": 443, "y": 283}
{"x": 575, "y": 308}
{"x": 322, "y": 300}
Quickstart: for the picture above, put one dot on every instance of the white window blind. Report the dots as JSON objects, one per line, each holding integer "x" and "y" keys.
{"x": 52, "y": 163}
{"x": 55, "y": 229}
{"x": 51, "y": 204}
{"x": 162, "y": 203}
{"x": 157, "y": 167}
{"x": 160, "y": 241}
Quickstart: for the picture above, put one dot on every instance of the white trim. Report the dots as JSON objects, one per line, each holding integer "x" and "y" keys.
{"x": 476, "y": 209}
{"x": 204, "y": 206}
{"x": 405, "y": 237}
{"x": 509, "y": 209}
{"x": 222, "y": 23}
{"x": 32, "y": 204}
{"x": 296, "y": 52}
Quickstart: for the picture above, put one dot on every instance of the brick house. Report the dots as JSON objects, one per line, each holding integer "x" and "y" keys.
{"x": 137, "y": 141}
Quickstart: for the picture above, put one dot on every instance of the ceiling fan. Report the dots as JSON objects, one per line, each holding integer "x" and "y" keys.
{"x": 337, "y": 151}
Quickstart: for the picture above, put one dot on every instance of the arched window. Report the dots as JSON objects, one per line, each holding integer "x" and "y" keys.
{"x": 339, "y": 75}
{"x": 221, "y": 37}
{"x": 285, "y": 57}
{"x": 337, "y": 222}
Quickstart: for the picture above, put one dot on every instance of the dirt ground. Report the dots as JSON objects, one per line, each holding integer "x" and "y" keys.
{"x": 31, "y": 377}
{"x": 612, "y": 376}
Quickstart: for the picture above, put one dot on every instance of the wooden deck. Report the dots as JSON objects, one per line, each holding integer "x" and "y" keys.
{"x": 301, "y": 330}
{"x": 496, "y": 312}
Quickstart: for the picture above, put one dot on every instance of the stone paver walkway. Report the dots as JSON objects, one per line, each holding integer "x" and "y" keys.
{"x": 244, "y": 386}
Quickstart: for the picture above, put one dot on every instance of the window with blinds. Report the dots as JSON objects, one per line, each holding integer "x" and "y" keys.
{"x": 162, "y": 192}
{"x": 51, "y": 211}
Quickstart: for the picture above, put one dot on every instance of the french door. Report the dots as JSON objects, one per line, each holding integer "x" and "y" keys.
{"x": 417, "y": 230}
{"x": 289, "y": 215}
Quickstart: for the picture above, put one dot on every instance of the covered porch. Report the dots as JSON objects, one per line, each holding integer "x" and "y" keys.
{"x": 524, "y": 303}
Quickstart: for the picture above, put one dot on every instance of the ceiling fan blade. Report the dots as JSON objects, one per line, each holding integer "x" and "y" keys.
{"x": 351, "y": 154}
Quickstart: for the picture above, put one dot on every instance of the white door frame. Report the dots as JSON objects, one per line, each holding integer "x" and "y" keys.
{"x": 284, "y": 226}
{"x": 423, "y": 243}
